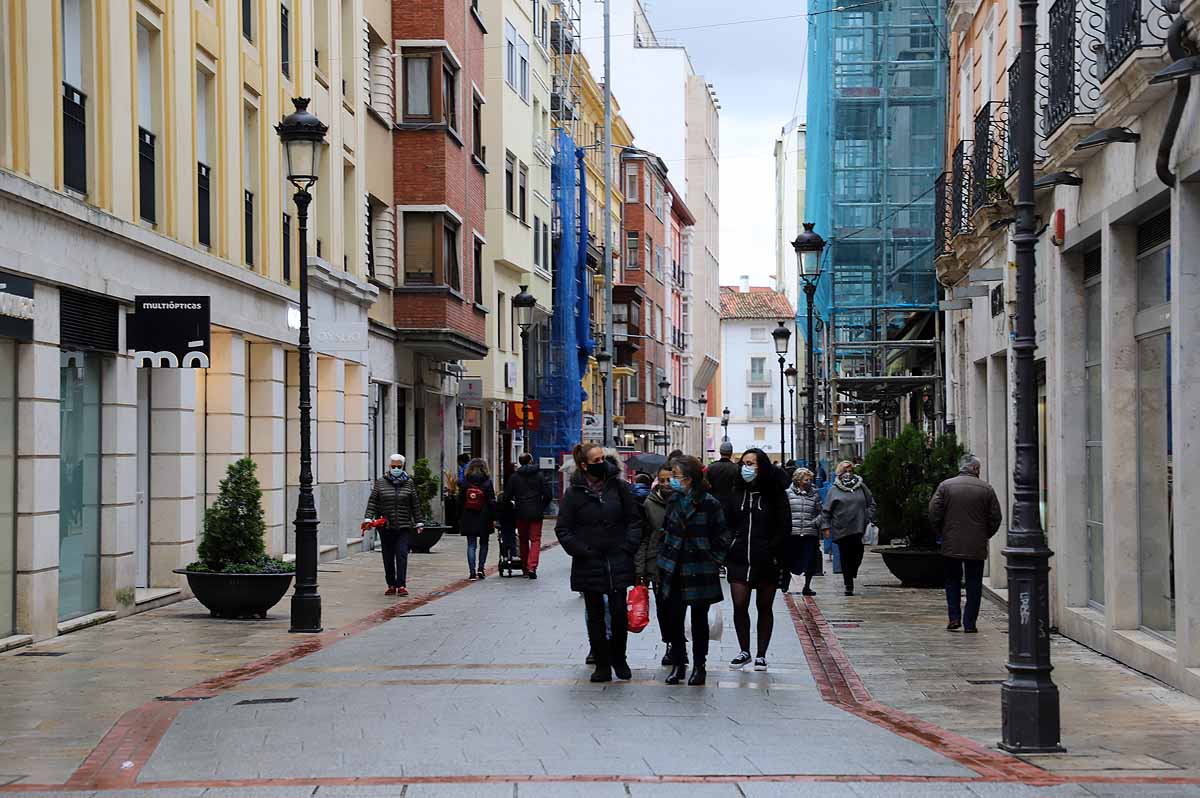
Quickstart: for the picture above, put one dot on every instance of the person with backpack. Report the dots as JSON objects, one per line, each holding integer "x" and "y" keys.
{"x": 394, "y": 497}
{"x": 530, "y": 496}
{"x": 477, "y": 514}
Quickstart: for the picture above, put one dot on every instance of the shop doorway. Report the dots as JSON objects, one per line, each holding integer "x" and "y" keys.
{"x": 142, "y": 579}
{"x": 79, "y": 485}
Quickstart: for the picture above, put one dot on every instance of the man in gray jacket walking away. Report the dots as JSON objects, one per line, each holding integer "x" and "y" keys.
{"x": 965, "y": 512}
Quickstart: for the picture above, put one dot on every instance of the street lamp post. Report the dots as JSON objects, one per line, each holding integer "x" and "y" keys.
{"x": 303, "y": 137}
{"x": 603, "y": 358}
{"x": 791, "y": 383}
{"x": 782, "y": 336}
{"x": 725, "y": 425}
{"x": 523, "y": 305}
{"x": 1028, "y": 697}
{"x": 664, "y": 391}
{"x": 808, "y": 246}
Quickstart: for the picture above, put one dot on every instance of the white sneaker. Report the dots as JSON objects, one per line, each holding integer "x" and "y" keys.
{"x": 760, "y": 663}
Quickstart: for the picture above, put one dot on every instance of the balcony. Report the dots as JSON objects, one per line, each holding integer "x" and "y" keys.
{"x": 960, "y": 190}
{"x": 760, "y": 412}
{"x": 759, "y": 379}
{"x": 1039, "y": 110}
{"x": 989, "y": 166}
{"x": 678, "y": 406}
{"x": 1132, "y": 25}
{"x": 1073, "y": 90}
{"x": 74, "y": 138}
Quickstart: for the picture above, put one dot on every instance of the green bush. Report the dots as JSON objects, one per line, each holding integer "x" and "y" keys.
{"x": 903, "y": 473}
{"x": 234, "y": 527}
{"x": 428, "y": 487}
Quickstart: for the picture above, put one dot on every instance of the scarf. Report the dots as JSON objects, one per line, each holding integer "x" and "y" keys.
{"x": 849, "y": 481}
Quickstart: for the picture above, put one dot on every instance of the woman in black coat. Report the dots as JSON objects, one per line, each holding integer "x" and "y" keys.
{"x": 759, "y": 514}
{"x": 600, "y": 527}
{"x": 476, "y": 513}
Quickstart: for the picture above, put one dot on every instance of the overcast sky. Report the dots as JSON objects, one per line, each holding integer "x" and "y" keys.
{"x": 753, "y": 52}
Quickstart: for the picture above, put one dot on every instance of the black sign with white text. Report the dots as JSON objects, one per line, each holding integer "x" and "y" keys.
{"x": 169, "y": 332}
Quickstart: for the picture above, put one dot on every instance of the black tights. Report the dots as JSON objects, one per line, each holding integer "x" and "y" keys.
{"x": 741, "y": 615}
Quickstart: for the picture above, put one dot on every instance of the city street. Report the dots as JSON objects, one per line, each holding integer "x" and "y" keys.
{"x": 480, "y": 689}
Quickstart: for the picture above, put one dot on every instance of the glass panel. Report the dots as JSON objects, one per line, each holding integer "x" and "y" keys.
{"x": 416, "y": 82}
{"x": 1155, "y": 542}
{"x": 8, "y": 481}
{"x": 1091, "y": 301}
{"x": 1153, "y": 276}
{"x": 1095, "y": 404}
{"x": 79, "y": 486}
{"x": 1095, "y": 484}
{"x": 1095, "y": 540}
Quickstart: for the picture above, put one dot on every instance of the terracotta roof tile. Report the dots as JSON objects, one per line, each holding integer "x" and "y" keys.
{"x": 759, "y": 303}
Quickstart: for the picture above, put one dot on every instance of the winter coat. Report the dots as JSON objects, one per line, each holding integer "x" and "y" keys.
{"x": 806, "y": 511}
{"x": 966, "y": 512}
{"x": 694, "y": 545}
{"x": 654, "y": 514}
{"x": 529, "y": 493}
{"x": 848, "y": 508}
{"x": 396, "y": 499}
{"x": 601, "y": 531}
{"x": 762, "y": 522}
{"x": 723, "y": 476}
{"x": 476, "y": 522}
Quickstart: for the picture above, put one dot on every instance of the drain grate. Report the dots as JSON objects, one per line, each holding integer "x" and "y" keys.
{"x": 985, "y": 681}
{"x": 42, "y": 654}
{"x": 169, "y": 698}
{"x": 255, "y": 701}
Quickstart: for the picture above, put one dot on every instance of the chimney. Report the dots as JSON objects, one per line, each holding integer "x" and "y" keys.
{"x": 744, "y": 284}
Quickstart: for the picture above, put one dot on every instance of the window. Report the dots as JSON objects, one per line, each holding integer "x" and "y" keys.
{"x": 418, "y": 248}
{"x": 416, "y": 87}
{"x": 649, "y": 252}
{"x": 477, "y": 128}
{"x": 547, "y": 261}
{"x": 760, "y": 433}
{"x": 249, "y": 176}
{"x": 287, "y": 248}
{"x": 477, "y": 270}
{"x": 758, "y": 369}
{"x": 501, "y": 309}
{"x": 659, "y": 262}
{"x": 632, "y": 248}
{"x": 148, "y": 102}
{"x": 320, "y": 34}
{"x": 74, "y": 103}
{"x": 450, "y": 259}
{"x": 510, "y": 54}
{"x": 758, "y": 405}
{"x": 1094, "y": 438}
{"x": 450, "y": 98}
{"x": 631, "y": 183}
{"x": 537, "y": 241}
{"x": 631, "y": 386}
{"x": 662, "y": 328}
{"x": 248, "y": 20}
{"x": 758, "y": 333}
{"x": 523, "y": 193}
{"x": 510, "y": 183}
{"x": 650, "y": 382}
{"x": 205, "y": 148}
{"x": 523, "y": 67}
{"x": 648, "y": 195}
{"x": 285, "y": 41}
{"x": 351, "y": 48}
{"x": 381, "y": 90}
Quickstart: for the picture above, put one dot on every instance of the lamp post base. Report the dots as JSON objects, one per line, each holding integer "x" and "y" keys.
{"x": 1030, "y": 717}
{"x": 306, "y": 613}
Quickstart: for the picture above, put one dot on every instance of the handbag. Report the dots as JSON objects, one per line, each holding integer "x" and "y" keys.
{"x": 871, "y": 536}
{"x": 637, "y": 608}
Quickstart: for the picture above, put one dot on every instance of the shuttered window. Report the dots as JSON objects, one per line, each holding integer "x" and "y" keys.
{"x": 88, "y": 321}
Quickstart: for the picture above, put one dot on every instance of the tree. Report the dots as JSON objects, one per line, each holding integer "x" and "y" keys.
{"x": 427, "y": 486}
{"x": 903, "y": 473}
{"x": 234, "y": 526}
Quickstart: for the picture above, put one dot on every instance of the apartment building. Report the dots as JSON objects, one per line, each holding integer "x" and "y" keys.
{"x": 138, "y": 157}
{"x": 1116, "y": 289}
{"x": 685, "y": 416}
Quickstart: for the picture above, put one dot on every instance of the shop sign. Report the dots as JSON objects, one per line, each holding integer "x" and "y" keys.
{"x": 472, "y": 418}
{"x": 169, "y": 332}
{"x": 340, "y": 336}
{"x": 516, "y": 411}
{"x": 16, "y": 307}
{"x": 591, "y": 424}
{"x": 470, "y": 389}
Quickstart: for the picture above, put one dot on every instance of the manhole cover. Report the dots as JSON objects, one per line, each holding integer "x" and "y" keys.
{"x": 254, "y": 701}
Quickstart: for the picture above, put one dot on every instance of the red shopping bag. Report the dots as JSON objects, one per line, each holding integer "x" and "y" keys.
{"x": 637, "y": 605}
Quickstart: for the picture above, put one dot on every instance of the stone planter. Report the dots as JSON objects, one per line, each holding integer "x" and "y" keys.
{"x": 914, "y": 567}
{"x": 423, "y": 541}
{"x": 237, "y": 595}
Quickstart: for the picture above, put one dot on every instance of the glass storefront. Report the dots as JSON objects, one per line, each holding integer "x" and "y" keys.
{"x": 79, "y": 485}
{"x": 8, "y": 482}
{"x": 1095, "y": 443}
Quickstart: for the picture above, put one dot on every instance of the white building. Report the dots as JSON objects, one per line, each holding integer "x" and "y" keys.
{"x": 750, "y": 378}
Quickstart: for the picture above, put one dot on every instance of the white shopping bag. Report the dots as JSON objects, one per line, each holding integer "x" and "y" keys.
{"x": 716, "y": 622}
{"x": 871, "y": 536}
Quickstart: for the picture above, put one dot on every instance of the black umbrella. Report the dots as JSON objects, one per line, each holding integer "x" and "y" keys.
{"x": 647, "y": 463}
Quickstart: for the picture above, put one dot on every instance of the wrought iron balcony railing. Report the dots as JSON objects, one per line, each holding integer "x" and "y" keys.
{"x": 1074, "y": 70}
{"x": 74, "y": 138}
{"x": 1040, "y": 88}
{"x": 960, "y": 189}
{"x": 1129, "y": 26}
{"x": 988, "y": 154}
{"x": 942, "y": 232}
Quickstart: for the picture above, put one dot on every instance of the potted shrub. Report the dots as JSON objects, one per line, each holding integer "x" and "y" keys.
{"x": 428, "y": 487}
{"x": 903, "y": 473}
{"x": 235, "y": 577}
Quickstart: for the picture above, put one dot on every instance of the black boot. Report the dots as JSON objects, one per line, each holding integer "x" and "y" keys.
{"x": 621, "y": 669}
{"x": 667, "y": 656}
{"x": 677, "y": 674}
{"x": 603, "y": 673}
{"x": 698, "y": 676}
{"x": 849, "y": 586}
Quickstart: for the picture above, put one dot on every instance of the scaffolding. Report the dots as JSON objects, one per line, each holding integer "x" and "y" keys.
{"x": 876, "y": 122}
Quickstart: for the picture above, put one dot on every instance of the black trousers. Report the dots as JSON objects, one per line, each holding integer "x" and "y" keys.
{"x": 851, "y": 550}
{"x": 675, "y": 612}
{"x": 807, "y": 551}
{"x": 395, "y": 556}
{"x": 956, "y": 570}
{"x": 607, "y": 650}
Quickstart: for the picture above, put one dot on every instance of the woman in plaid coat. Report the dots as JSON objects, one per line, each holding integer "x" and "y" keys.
{"x": 695, "y": 542}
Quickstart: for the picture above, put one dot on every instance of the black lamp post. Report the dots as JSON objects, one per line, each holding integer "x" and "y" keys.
{"x": 303, "y": 137}
{"x": 725, "y": 425}
{"x": 791, "y": 374}
{"x": 782, "y": 336}
{"x": 664, "y": 392}
{"x": 808, "y": 246}
{"x": 523, "y": 305}
{"x": 1028, "y": 698}
{"x": 602, "y": 360}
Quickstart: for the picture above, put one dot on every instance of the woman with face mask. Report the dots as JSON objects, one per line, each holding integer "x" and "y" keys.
{"x": 694, "y": 544}
{"x": 762, "y": 521}
{"x": 600, "y": 527}
{"x": 654, "y": 513}
{"x": 849, "y": 507}
{"x": 805, "y": 547}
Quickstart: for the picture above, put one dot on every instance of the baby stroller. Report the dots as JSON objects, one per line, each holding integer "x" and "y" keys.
{"x": 510, "y": 555}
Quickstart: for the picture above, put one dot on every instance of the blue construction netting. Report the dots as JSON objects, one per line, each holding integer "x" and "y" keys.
{"x": 876, "y": 122}
{"x": 583, "y": 324}
{"x": 561, "y": 420}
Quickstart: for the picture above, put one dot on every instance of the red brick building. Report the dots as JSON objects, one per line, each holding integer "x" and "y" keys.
{"x": 439, "y": 164}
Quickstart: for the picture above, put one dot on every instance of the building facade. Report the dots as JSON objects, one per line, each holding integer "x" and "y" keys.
{"x": 138, "y": 158}
{"x": 1115, "y": 288}
{"x": 751, "y": 391}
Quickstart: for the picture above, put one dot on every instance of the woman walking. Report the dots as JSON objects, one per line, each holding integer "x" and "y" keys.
{"x": 849, "y": 507}
{"x": 600, "y": 528}
{"x": 694, "y": 544}
{"x": 805, "y": 541}
{"x": 654, "y": 515}
{"x": 476, "y": 513}
{"x": 761, "y": 520}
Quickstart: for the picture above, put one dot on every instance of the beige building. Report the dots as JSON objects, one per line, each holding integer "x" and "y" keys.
{"x": 138, "y": 156}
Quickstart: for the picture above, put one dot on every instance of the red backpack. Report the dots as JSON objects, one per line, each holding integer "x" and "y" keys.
{"x": 475, "y": 498}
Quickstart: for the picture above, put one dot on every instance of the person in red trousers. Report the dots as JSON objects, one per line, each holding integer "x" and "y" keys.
{"x": 530, "y": 496}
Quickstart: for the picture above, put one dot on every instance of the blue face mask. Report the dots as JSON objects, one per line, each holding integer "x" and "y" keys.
{"x": 749, "y": 473}
{"x": 397, "y": 472}
{"x": 676, "y": 485}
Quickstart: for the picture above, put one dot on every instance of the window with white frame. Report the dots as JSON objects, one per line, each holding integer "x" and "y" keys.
{"x": 523, "y": 68}
{"x": 633, "y": 246}
{"x": 510, "y": 54}
{"x": 631, "y": 182}
{"x": 758, "y": 333}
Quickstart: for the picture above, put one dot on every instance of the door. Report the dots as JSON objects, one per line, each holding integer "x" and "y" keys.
{"x": 8, "y": 483}
{"x": 79, "y": 485}
{"x": 143, "y": 478}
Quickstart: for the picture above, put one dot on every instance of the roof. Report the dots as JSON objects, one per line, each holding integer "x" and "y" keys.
{"x": 758, "y": 303}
